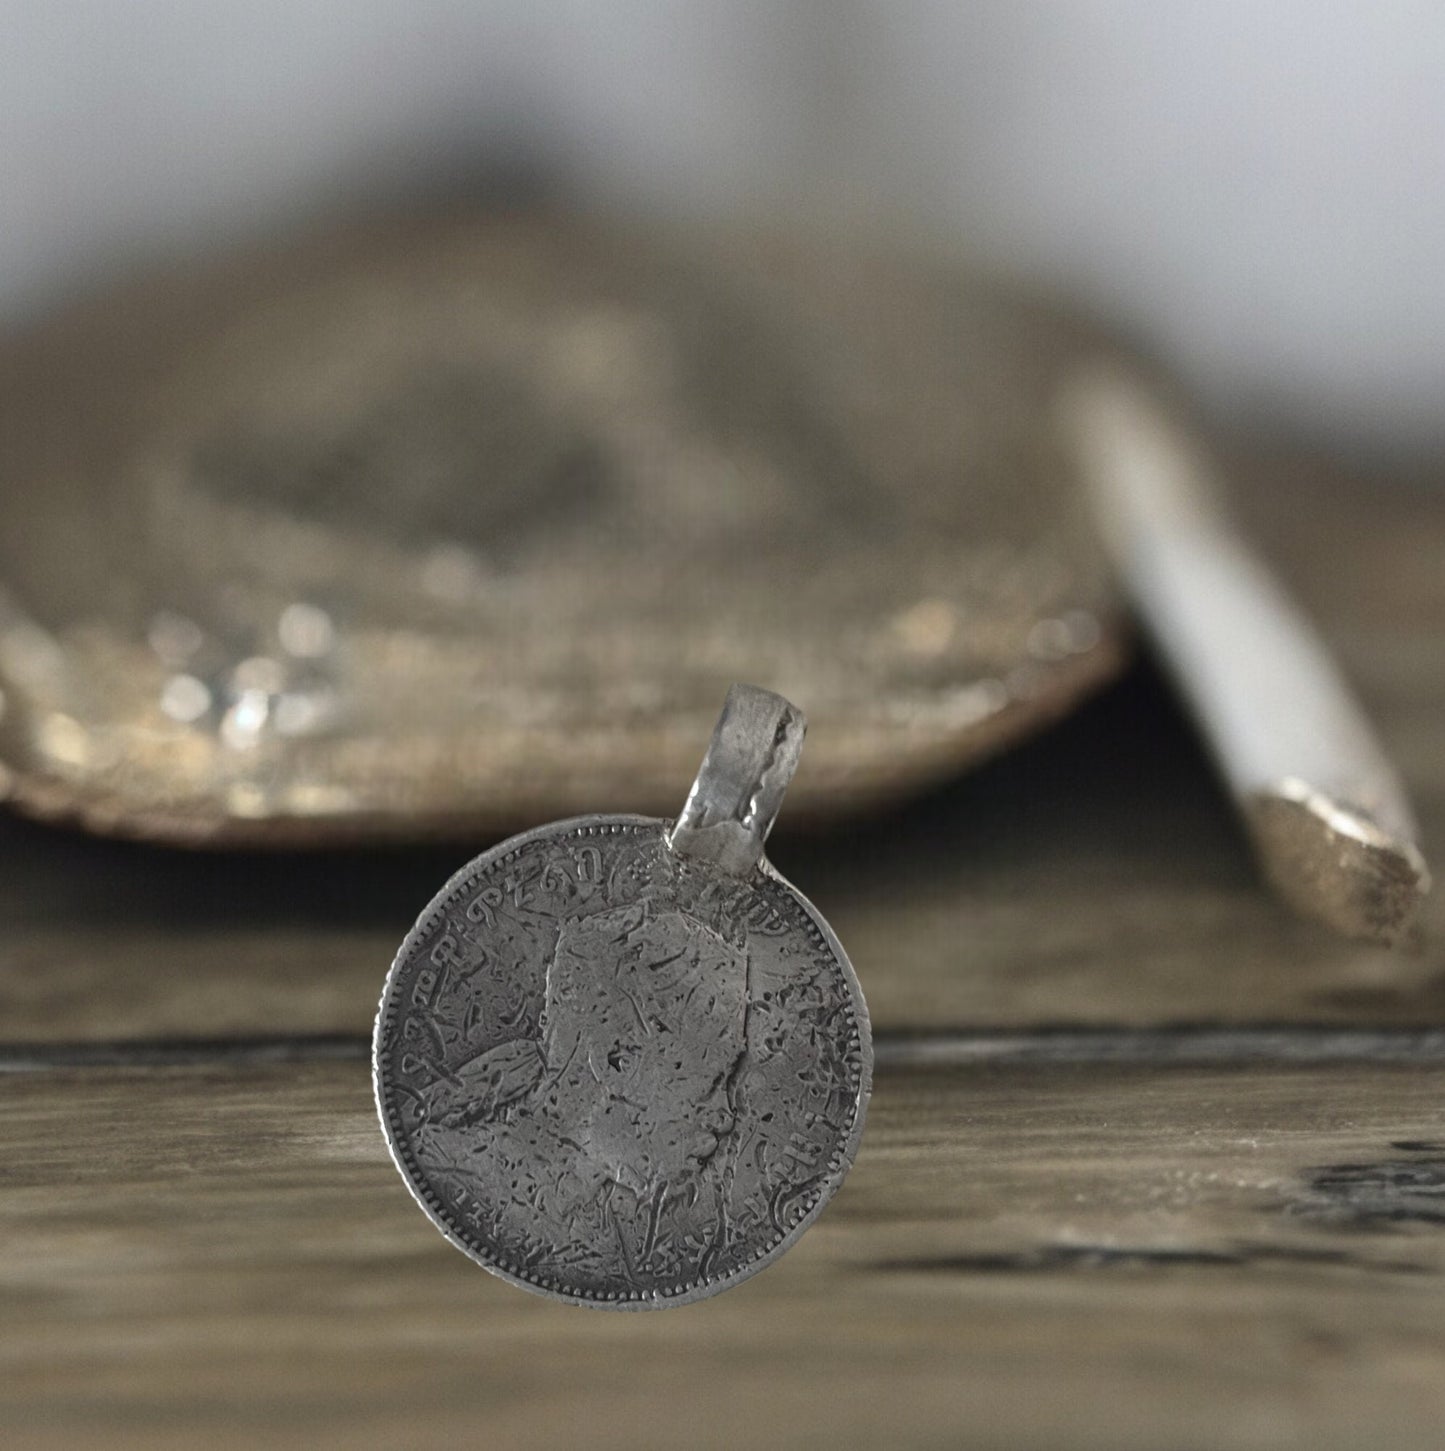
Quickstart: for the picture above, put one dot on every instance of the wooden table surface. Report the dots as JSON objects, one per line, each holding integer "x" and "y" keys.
{"x": 1150, "y": 1164}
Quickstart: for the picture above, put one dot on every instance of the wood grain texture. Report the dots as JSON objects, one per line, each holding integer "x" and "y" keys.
{"x": 1034, "y": 1256}
{"x": 1175, "y": 1178}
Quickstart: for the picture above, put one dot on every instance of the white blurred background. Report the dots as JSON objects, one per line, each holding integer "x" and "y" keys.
{"x": 1255, "y": 187}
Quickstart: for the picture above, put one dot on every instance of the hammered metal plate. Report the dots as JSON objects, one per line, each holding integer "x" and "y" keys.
{"x": 447, "y": 527}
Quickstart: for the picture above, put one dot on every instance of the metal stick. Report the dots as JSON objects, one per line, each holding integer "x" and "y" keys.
{"x": 1326, "y": 810}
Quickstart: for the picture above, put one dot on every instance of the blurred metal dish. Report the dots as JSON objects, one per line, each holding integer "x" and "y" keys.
{"x": 438, "y": 527}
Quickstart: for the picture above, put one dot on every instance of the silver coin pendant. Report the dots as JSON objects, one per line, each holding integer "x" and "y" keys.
{"x": 622, "y": 1062}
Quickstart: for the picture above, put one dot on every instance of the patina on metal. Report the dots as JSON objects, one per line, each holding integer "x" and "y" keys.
{"x": 624, "y": 1063}
{"x": 733, "y": 803}
{"x": 445, "y": 526}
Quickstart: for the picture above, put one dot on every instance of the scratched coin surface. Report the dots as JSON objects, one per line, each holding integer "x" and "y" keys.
{"x": 617, "y": 1075}
{"x": 451, "y": 525}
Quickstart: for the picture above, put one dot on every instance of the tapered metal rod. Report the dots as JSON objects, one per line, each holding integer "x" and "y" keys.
{"x": 1325, "y": 809}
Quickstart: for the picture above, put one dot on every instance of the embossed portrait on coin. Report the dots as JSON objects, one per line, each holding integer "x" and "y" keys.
{"x": 604, "y": 1131}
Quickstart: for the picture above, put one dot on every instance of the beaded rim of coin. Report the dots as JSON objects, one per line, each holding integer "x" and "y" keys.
{"x": 715, "y": 847}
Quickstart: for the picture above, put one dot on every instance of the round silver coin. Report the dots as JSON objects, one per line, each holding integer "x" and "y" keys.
{"x": 622, "y": 1062}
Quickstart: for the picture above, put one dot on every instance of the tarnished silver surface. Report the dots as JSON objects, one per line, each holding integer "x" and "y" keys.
{"x": 734, "y": 801}
{"x": 615, "y": 1071}
{"x": 449, "y": 525}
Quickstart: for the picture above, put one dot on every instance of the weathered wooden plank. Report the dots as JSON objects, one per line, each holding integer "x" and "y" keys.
{"x": 1032, "y": 1256}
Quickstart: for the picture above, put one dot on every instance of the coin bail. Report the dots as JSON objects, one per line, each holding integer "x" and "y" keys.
{"x": 740, "y": 785}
